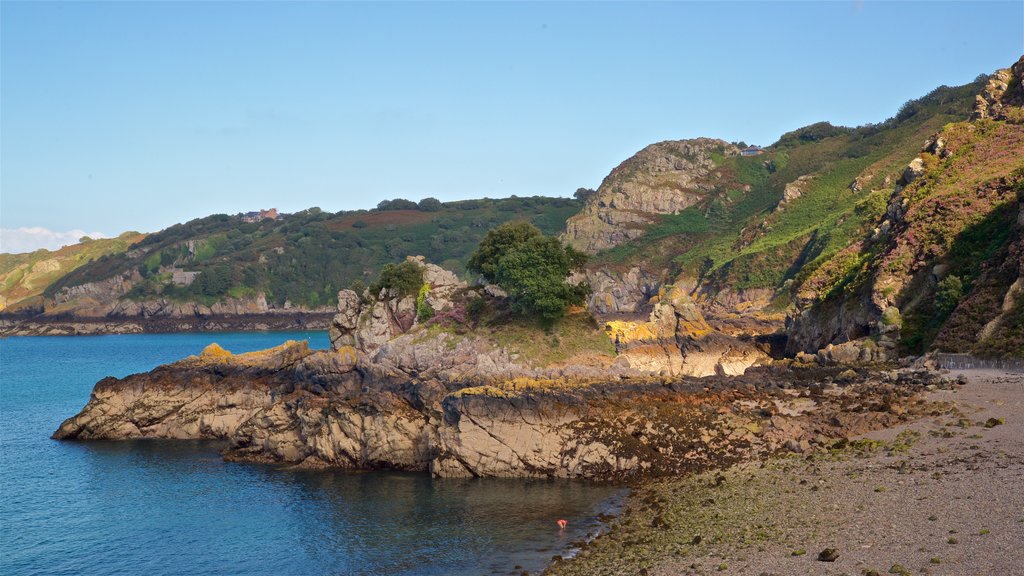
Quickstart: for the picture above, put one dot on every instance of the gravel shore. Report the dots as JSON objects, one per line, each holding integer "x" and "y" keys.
{"x": 939, "y": 495}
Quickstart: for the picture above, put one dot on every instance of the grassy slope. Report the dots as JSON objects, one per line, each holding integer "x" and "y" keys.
{"x": 961, "y": 215}
{"x": 305, "y": 258}
{"x": 23, "y": 277}
{"x": 738, "y": 239}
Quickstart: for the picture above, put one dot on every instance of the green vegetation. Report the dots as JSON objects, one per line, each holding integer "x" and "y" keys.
{"x": 532, "y": 269}
{"x": 948, "y": 294}
{"x": 498, "y": 243}
{"x": 23, "y": 277}
{"x": 404, "y": 278}
{"x": 307, "y": 257}
{"x": 741, "y": 236}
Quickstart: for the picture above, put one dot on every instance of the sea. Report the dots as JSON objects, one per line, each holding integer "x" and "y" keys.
{"x": 153, "y": 507}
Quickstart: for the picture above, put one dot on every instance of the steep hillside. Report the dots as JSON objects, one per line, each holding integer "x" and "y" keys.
{"x": 746, "y": 229}
{"x": 24, "y": 277}
{"x": 224, "y": 265}
{"x": 942, "y": 266}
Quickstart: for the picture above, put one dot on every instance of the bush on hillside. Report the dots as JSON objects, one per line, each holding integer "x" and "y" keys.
{"x": 496, "y": 244}
{"x": 429, "y": 205}
{"x": 532, "y": 269}
{"x": 405, "y": 278}
{"x": 534, "y": 275}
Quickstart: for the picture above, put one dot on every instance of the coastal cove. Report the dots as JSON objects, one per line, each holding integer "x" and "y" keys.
{"x": 176, "y": 507}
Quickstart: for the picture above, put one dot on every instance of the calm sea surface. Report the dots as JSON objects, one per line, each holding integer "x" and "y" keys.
{"x": 166, "y": 507}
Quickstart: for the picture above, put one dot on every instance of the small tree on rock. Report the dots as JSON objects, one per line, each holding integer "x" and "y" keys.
{"x": 496, "y": 244}
{"x": 532, "y": 269}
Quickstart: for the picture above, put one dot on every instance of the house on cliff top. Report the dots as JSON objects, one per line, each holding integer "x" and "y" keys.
{"x": 270, "y": 214}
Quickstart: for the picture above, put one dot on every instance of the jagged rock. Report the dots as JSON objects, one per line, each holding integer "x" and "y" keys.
{"x": 912, "y": 172}
{"x": 621, "y": 292}
{"x": 862, "y": 351}
{"x": 676, "y": 340}
{"x": 794, "y": 190}
{"x": 368, "y": 326}
{"x": 495, "y": 291}
{"x": 1005, "y": 89}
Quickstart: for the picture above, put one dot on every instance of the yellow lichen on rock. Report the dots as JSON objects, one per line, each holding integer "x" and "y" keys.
{"x": 215, "y": 350}
{"x": 625, "y": 332}
{"x": 348, "y": 354}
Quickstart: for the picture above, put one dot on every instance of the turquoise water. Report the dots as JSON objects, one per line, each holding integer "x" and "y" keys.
{"x": 164, "y": 507}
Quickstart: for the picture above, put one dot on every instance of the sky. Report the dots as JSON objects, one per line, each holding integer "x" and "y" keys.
{"x": 120, "y": 116}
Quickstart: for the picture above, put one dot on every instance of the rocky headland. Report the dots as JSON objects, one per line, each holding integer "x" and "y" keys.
{"x": 446, "y": 395}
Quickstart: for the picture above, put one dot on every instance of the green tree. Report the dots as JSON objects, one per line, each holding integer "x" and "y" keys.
{"x": 498, "y": 243}
{"x": 405, "y": 278}
{"x": 582, "y": 194}
{"x": 430, "y": 205}
{"x": 533, "y": 273}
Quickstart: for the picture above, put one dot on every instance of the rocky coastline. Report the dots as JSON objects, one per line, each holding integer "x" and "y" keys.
{"x": 19, "y": 325}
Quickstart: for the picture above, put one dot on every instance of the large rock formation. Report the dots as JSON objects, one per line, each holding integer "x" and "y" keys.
{"x": 399, "y": 390}
{"x": 676, "y": 340}
{"x": 335, "y": 408}
{"x": 663, "y": 178}
{"x": 368, "y": 321}
{"x": 622, "y": 291}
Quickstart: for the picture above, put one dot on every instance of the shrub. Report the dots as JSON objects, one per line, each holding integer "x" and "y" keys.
{"x": 948, "y": 294}
{"x": 397, "y": 204}
{"x": 405, "y": 278}
{"x": 359, "y": 224}
{"x": 475, "y": 308}
{"x": 534, "y": 272}
{"x": 497, "y": 243}
{"x": 423, "y": 309}
{"x": 429, "y": 205}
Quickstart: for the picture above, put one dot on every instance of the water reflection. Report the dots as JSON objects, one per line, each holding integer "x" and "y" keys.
{"x": 334, "y": 521}
{"x": 175, "y": 507}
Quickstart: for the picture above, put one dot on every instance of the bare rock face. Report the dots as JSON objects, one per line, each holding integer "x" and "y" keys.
{"x": 105, "y": 300}
{"x": 1005, "y": 89}
{"x": 676, "y": 340}
{"x": 621, "y": 292}
{"x": 663, "y": 178}
{"x": 794, "y": 190}
{"x": 368, "y": 325}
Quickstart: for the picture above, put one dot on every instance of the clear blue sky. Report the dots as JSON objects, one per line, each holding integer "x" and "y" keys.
{"x": 137, "y": 115}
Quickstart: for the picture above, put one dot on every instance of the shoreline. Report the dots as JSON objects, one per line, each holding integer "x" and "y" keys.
{"x": 75, "y": 326}
{"x": 936, "y": 495}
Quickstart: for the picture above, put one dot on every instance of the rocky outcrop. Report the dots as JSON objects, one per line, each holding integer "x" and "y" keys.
{"x": 622, "y": 291}
{"x": 1005, "y": 89}
{"x": 793, "y": 191}
{"x": 676, "y": 340}
{"x": 296, "y": 406}
{"x": 105, "y": 307}
{"x": 663, "y": 178}
{"x": 368, "y": 321}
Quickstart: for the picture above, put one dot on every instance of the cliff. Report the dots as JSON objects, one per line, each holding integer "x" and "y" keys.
{"x": 24, "y": 277}
{"x": 663, "y": 178}
{"x": 942, "y": 265}
{"x": 746, "y": 234}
